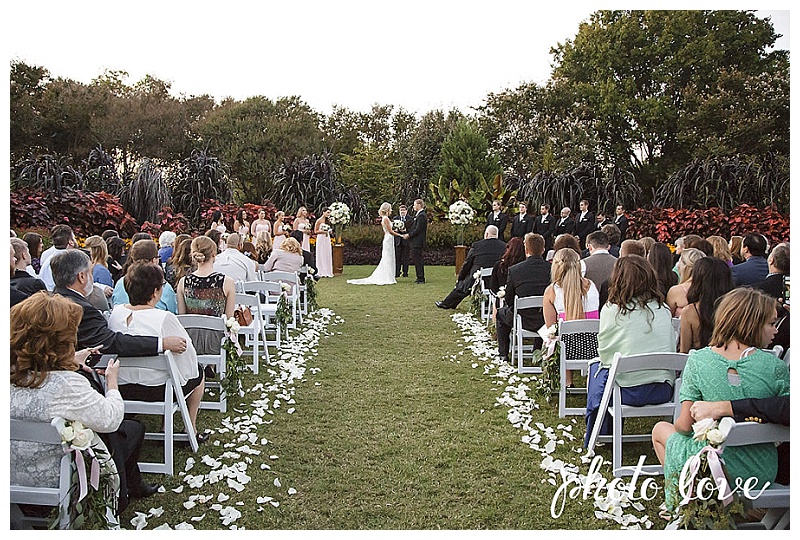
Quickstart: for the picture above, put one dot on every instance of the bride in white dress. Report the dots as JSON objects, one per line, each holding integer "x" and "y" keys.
{"x": 384, "y": 273}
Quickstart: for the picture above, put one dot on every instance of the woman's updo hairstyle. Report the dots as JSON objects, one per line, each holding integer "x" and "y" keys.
{"x": 203, "y": 249}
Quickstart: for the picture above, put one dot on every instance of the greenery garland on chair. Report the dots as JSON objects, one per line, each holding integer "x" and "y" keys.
{"x": 235, "y": 365}
{"x": 283, "y": 313}
{"x": 311, "y": 290}
{"x": 548, "y": 358}
{"x": 476, "y": 295}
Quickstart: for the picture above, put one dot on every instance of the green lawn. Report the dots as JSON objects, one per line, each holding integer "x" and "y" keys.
{"x": 392, "y": 428}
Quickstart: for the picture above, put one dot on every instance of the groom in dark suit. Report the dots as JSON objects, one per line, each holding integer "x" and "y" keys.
{"x": 417, "y": 239}
{"x": 401, "y": 246}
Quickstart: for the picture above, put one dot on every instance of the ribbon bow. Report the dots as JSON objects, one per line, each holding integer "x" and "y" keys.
{"x": 94, "y": 477}
{"x": 717, "y": 474}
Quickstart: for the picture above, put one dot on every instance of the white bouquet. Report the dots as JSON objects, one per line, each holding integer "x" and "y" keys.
{"x": 305, "y": 227}
{"x": 324, "y": 227}
{"x": 398, "y": 225}
{"x": 340, "y": 213}
{"x": 287, "y": 228}
{"x": 461, "y": 213}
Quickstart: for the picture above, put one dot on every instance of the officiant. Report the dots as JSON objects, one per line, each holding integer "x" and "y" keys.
{"x": 483, "y": 254}
{"x": 402, "y": 249}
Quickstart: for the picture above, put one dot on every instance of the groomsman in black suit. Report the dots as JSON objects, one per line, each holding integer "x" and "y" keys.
{"x": 621, "y": 221}
{"x": 527, "y": 278}
{"x": 401, "y": 246}
{"x": 545, "y": 225}
{"x": 602, "y": 221}
{"x": 522, "y": 224}
{"x": 498, "y": 218}
{"x": 584, "y": 223}
{"x": 565, "y": 224}
{"x": 417, "y": 239}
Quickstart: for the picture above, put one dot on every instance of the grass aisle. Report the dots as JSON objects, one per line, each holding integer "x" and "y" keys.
{"x": 397, "y": 437}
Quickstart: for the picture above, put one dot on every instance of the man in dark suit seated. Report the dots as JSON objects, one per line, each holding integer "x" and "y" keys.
{"x": 755, "y": 267}
{"x": 775, "y": 285}
{"x": 498, "y": 218}
{"x": 483, "y": 254}
{"x": 527, "y": 278}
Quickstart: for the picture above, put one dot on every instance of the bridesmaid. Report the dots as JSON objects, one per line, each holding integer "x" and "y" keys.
{"x": 279, "y": 232}
{"x": 241, "y": 225}
{"x": 324, "y": 251}
{"x": 261, "y": 224}
{"x": 302, "y": 224}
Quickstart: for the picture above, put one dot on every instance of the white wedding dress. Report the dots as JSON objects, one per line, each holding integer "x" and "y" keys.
{"x": 384, "y": 273}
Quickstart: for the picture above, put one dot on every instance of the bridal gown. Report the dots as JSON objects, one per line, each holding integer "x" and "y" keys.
{"x": 384, "y": 273}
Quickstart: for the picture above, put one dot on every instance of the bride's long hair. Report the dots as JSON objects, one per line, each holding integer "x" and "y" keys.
{"x": 385, "y": 209}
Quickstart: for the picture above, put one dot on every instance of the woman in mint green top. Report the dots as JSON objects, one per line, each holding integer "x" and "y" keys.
{"x": 732, "y": 367}
{"x": 635, "y": 320}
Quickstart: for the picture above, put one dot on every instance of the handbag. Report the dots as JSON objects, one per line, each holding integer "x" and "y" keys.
{"x": 243, "y": 316}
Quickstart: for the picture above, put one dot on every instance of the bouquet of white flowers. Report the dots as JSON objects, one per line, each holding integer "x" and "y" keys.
{"x": 324, "y": 227}
{"x": 340, "y": 213}
{"x": 398, "y": 225}
{"x": 287, "y": 228}
{"x": 305, "y": 227}
{"x": 460, "y": 214}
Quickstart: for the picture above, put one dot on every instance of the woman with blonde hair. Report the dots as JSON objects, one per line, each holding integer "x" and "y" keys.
{"x": 180, "y": 263}
{"x": 98, "y": 252}
{"x": 302, "y": 224}
{"x": 287, "y": 258}
{"x": 279, "y": 230}
{"x": 570, "y": 296}
{"x": 263, "y": 246}
{"x": 732, "y": 367}
{"x": 676, "y": 296}
{"x": 206, "y": 292}
{"x": 721, "y": 249}
{"x": 384, "y": 272}
{"x": 735, "y": 247}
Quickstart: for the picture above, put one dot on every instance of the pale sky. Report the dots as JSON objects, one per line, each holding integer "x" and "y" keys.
{"x": 421, "y": 55}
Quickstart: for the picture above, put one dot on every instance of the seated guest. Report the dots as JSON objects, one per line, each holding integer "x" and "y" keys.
{"x": 17, "y": 296}
{"x": 144, "y": 251}
{"x": 562, "y": 241}
{"x": 614, "y": 239}
{"x": 631, "y": 247}
{"x": 660, "y": 258}
{"x": 166, "y": 243}
{"x": 483, "y": 254}
{"x": 775, "y": 286}
{"x": 233, "y": 263}
{"x": 676, "y": 296}
{"x": 20, "y": 278}
{"x": 47, "y": 382}
{"x": 527, "y": 278}
{"x": 287, "y": 257}
{"x": 598, "y": 265}
{"x": 144, "y": 283}
{"x": 732, "y": 367}
{"x": 515, "y": 252}
{"x": 647, "y": 242}
{"x": 263, "y": 246}
{"x": 34, "y": 241}
{"x": 180, "y": 263}
{"x": 308, "y": 258}
{"x": 63, "y": 239}
{"x": 755, "y": 267}
{"x": 711, "y": 280}
{"x": 735, "y": 245}
{"x": 635, "y": 320}
{"x": 72, "y": 272}
{"x": 98, "y": 252}
{"x": 116, "y": 256}
{"x": 721, "y": 249}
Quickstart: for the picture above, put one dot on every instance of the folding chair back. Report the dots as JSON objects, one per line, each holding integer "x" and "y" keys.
{"x": 293, "y": 279}
{"x": 173, "y": 402}
{"x": 611, "y": 402}
{"x": 42, "y": 433}
{"x": 519, "y": 334}
{"x": 208, "y": 322}
{"x": 255, "y": 334}
{"x": 578, "y": 346}
{"x": 487, "y": 296}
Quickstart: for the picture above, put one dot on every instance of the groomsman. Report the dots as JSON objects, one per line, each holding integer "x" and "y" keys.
{"x": 402, "y": 249}
{"x": 497, "y": 218}
{"x": 565, "y": 225}
{"x": 621, "y": 221}
{"x": 545, "y": 225}
{"x": 584, "y": 223}
{"x": 602, "y": 220}
{"x": 523, "y": 223}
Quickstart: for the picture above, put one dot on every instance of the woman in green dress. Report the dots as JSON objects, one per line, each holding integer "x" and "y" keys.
{"x": 732, "y": 367}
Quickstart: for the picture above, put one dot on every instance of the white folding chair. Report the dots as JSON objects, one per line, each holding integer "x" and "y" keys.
{"x": 775, "y": 499}
{"x": 578, "y": 346}
{"x": 611, "y": 402}
{"x": 208, "y": 322}
{"x": 786, "y": 356}
{"x": 42, "y": 433}
{"x": 777, "y": 351}
{"x": 173, "y": 402}
{"x": 268, "y": 293}
{"x": 293, "y": 279}
{"x": 255, "y": 332}
{"x": 487, "y": 296}
{"x": 301, "y": 289}
{"x": 520, "y": 350}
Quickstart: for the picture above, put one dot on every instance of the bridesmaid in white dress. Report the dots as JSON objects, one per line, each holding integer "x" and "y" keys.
{"x": 279, "y": 232}
{"x": 302, "y": 224}
{"x": 384, "y": 273}
{"x": 324, "y": 253}
{"x": 261, "y": 224}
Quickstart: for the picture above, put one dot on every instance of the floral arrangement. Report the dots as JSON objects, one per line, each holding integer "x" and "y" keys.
{"x": 324, "y": 227}
{"x": 460, "y": 214}
{"x": 476, "y": 295}
{"x": 398, "y": 225}
{"x": 283, "y": 313}
{"x": 306, "y": 227}
{"x": 235, "y": 364}
{"x": 311, "y": 290}
{"x": 287, "y": 228}
{"x": 549, "y": 359}
{"x": 340, "y": 213}
{"x": 93, "y": 497}
{"x": 707, "y": 499}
